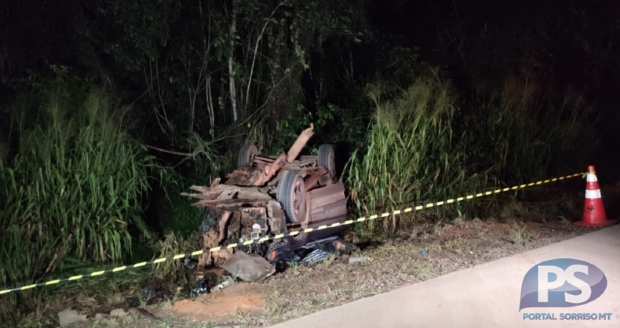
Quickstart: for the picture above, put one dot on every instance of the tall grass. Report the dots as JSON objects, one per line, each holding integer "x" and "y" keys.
{"x": 413, "y": 150}
{"x": 72, "y": 189}
{"x": 425, "y": 144}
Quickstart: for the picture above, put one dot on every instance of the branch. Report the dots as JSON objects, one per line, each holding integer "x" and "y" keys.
{"x": 192, "y": 154}
{"x": 260, "y": 37}
{"x": 223, "y": 134}
{"x": 231, "y": 77}
{"x": 160, "y": 95}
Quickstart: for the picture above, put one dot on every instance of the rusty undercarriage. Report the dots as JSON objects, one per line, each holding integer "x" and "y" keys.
{"x": 266, "y": 196}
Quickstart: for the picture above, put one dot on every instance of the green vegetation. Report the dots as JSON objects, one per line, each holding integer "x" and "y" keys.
{"x": 422, "y": 146}
{"x": 73, "y": 189}
{"x": 77, "y": 186}
{"x": 115, "y": 108}
{"x": 413, "y": 150}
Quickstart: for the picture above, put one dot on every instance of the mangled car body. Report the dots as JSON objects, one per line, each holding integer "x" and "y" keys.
{"x": 265, "y": 197}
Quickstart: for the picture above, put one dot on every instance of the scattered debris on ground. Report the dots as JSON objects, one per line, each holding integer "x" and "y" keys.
{"x": 218, "y": 306}
{"x": 69, "y": 317}
{"x": 119, "y": 313}
{"x": 373, "y": 267}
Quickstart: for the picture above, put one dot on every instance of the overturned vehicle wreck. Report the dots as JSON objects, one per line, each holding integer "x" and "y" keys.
{"x": 265, "y": 197}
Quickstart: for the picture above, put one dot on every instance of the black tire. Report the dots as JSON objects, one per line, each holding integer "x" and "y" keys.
{"x": 327, "y": 159}
{"x": 246, "y": 154}
{"x": 292, "y": 196}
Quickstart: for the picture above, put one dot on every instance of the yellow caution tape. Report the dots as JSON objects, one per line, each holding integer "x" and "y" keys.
{"x": 292, "y": 233}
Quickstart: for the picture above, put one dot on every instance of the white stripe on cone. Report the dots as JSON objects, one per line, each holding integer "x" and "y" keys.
{"x": 593, "y": 194}
{"x": 591, "y": 177}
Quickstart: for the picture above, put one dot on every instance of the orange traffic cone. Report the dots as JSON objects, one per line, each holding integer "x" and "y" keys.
{"x": 593, "y": 209}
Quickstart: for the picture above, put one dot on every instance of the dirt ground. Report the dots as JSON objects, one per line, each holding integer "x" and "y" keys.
{"x": 424, "y": 253}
